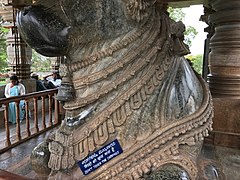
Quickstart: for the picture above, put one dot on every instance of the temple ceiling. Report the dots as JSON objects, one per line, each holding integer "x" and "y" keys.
{"x": 172, "y": 3}
{"x": 183, "y": 3}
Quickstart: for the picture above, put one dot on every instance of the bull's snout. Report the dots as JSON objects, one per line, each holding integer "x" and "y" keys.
{"x": 43, "y": 31}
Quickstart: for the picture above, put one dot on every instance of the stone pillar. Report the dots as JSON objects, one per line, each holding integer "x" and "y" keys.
{"x": 224, "y": 77}
{"x": 224, "y": 63}
{"x": 19, "y": 53}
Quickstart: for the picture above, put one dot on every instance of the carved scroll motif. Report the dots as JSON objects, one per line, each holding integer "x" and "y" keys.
{"x": 136, "y": 101}
{"x": 149, "y": 88}
{"x": 119, "y": 116}
{"x": 143, "y": 94}
{"x": 100, "y": 135}
{"x": 81, "y": 149}
{"x": 110, "y": 125}
{"x": 159, "y": 73}
{"x": 91, "y": 143}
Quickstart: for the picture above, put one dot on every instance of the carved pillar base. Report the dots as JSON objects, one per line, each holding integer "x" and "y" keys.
{"x": 224, "y": 64}
{"x": 226, "y": 123}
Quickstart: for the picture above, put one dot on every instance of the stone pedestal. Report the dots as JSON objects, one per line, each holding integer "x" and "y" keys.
{"x": 224, "y": 64}
{"x": 226, "y": 122}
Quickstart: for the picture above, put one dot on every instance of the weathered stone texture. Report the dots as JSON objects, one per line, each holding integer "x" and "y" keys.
{"x": 124, "y": 63}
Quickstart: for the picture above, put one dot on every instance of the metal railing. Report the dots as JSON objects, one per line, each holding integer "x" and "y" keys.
{"x": 42, "y": 112}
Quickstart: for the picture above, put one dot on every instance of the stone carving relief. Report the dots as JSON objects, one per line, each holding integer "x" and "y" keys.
{"x": 124, "y": 65}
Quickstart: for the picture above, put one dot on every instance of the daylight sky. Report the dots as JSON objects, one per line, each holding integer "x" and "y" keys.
{"x": 192, "y": 17}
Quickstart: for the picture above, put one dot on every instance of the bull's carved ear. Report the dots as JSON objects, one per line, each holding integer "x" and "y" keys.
{"x": 139, "y": 10}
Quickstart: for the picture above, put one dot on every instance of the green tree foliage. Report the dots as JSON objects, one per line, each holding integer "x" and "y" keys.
{"x": 177, "y": 14}
{"x": 40, "y": 63}
{"x": 190, "y": 34}
{"x": 3, "y": 46}
{"x": 197, "y": 62}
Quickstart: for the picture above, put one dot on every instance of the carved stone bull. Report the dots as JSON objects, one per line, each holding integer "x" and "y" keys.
{"x": 125, "y": 78}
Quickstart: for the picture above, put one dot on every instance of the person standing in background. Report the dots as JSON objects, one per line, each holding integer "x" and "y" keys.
{"x": 53, "y": 80}
{"x": 39, "y": 84}
{"x": 15, "y": 88}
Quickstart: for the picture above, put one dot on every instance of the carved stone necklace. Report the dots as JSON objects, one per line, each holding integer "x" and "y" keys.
{"x": 128, "y": 39}
{"x": 125, "y": 66}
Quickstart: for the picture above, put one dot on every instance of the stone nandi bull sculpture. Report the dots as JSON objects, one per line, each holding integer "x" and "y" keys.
{"x": 124, "y": 78}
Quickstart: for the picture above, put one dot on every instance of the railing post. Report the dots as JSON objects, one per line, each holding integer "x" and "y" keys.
{"x": 27, "y": 118}
{"x": 43, "y": 113}
{"x": 50, "y": 109}
{"x": 56, "y": 114}
{"x": 7, "y": 125}
{"x": 35, "y": 114}
{"x": 18, "y": 129}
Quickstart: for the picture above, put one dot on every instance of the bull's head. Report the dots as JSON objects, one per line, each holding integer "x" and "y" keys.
{"x": 51, "y": 27}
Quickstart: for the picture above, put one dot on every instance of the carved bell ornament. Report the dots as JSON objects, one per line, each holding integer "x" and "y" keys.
{"x": 65, "y": 92}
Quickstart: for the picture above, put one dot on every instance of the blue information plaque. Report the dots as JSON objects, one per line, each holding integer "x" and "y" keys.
{"x": 100, "y": 157}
